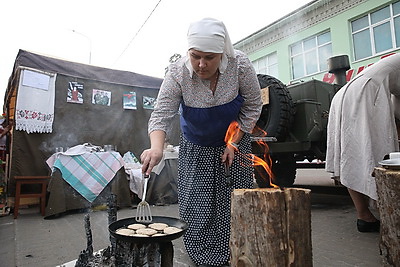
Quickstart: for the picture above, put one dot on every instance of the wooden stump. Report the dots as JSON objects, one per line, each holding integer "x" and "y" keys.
{"x": 271, "y": 227}
{"x": 388, "y": 189}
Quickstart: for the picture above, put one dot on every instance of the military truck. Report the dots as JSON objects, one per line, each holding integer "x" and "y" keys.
{"x": 293, "y": 123}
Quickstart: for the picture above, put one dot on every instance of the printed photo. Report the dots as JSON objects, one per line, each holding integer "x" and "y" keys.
{"x": 75, "y": 92}
{"x": 129, "y": 100}
{"x": 101, "y": 97}
{"x": 149, "y": 102}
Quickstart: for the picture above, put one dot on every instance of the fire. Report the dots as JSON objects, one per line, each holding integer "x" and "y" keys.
{"x": 265, "y": 163}
{"x": 232, "y": 132}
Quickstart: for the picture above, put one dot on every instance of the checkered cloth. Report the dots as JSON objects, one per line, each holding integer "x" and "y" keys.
{"x": 88, "y": 173}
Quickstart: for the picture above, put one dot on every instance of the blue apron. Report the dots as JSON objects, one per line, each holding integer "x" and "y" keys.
{"x": 208, "y": 126}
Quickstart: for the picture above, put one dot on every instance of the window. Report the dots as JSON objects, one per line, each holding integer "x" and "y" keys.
{"x": 267, "y": 65}
{"x": 376, "y": 32}
{"x": 310, "y": 55}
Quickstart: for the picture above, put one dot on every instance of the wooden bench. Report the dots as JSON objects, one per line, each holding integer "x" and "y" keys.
{"x": 21, "y": 180}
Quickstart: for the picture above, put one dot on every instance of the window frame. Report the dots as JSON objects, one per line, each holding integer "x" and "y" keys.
{"x": 370, "y": 30}
{"x": 266, "y": 69}
{"x": 301, "y": 54}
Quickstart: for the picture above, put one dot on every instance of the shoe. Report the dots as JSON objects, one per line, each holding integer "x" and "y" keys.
{"x": 365, "y": 227}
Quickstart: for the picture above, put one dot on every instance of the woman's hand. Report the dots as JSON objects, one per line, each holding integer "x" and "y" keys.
{"x": 231, "y": 147}
{"x": 229, "y": 154}
{"x": 150, "y": 158}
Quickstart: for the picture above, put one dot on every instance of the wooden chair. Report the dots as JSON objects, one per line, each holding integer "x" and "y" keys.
{"x": 20, "y": 180}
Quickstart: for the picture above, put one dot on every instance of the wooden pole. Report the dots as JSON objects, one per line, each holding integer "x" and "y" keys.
{"x": 271, "y": 227}
{"x": 388, "y": 189}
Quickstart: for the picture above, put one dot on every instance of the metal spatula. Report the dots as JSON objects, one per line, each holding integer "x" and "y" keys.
{"x": 227, "y": 174}
{"x": 143, "y": 213}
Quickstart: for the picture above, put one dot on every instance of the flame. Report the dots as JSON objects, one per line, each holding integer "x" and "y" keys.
{"x": 231, "y": 133}
{"x": 265, "y": 163}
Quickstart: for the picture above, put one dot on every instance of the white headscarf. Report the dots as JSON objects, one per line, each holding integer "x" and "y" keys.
{"x": 210, "y": 35}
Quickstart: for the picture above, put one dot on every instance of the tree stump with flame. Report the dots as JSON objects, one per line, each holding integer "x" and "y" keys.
{"x": 271, "y": 227}
{"x": 388, "y": 189}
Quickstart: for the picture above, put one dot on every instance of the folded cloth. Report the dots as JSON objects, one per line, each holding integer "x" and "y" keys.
{"x": 136, "y": 182}
{"x": 81, "y": 149}
{"x": 35, "y": 102}
{"x": 88, "y": 173}
{"x": 172, "y": 154}
{"x": 73, "y": 151}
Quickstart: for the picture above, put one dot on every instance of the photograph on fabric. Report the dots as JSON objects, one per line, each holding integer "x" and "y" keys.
{"x": 149, "y": 102}
{"x": 75, "y": 92}
{"x": 101, "y": 97}
{"x": 129, "y": 100}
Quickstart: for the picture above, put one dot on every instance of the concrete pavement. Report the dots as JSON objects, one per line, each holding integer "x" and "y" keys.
{"x": 32, "y": 241}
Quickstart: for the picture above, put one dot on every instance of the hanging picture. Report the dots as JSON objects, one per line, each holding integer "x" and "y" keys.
{"x": 129, "y": 100}
{"x": 149, "y": 102}
{"x": 75, "y": 92}
{"x": 101, "y": 97}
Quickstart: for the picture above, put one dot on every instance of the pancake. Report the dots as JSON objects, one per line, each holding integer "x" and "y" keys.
{"x": 158, "y": 226}
{"x": 171, "y": 230}
{"x": 146, "y": 231}
{"x": 159, "y": 234}
{"x": 124, "y": 231}
{"x": 136, "y": 226}
{"x": 140, "y": 235}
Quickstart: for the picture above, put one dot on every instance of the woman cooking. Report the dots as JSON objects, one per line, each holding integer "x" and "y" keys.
{"x": 210, "y": 87}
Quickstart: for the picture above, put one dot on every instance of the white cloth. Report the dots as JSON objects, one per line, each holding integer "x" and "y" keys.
{"x": 73, "y": 151}
{"x": 135, "y": 171}
{"x": 35, "y": 102}
{"x": 361, "y": 125}
{"x": 136, "y": 181}
{"x": 172, "y": 154}
{"x": 210, "y": 35}
{"x": 87, "y": 173}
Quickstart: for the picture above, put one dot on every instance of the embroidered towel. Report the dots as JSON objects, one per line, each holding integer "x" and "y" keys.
{"x": 35, "y": 102}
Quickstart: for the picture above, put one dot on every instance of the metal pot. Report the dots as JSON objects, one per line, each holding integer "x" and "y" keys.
{"x": 113, "y": 227}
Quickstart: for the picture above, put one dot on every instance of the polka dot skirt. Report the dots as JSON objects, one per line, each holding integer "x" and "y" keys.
{"x": 204, "y": 198}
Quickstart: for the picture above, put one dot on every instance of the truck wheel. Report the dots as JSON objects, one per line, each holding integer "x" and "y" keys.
{"x": 283, "y": 168}
{"x": 277, "y": 116}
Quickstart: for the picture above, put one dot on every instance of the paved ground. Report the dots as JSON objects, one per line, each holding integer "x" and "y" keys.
{"x": 32, "y": 241}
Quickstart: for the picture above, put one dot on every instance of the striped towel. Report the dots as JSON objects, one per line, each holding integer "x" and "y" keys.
{"x": 89, "y": 173}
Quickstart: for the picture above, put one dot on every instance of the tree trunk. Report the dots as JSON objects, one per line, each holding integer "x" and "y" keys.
{"x": 271, "y": 227}
{"x": 388, "y": 188}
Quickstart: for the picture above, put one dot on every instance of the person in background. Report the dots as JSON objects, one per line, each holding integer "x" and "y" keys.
{"x": 211, "y": 86}
{"x": 5, "y": 128}
{"x": 361, "y": 131}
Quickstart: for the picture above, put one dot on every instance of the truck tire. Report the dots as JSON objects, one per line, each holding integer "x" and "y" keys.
{"x": 283, "y": 169}
{"x": 277, "y": 116}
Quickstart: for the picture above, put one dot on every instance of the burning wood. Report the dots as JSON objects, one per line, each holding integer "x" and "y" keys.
{"x": 269, "y": 226}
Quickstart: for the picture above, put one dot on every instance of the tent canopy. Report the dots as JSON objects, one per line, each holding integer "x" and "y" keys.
{"x": 78, "y": 123}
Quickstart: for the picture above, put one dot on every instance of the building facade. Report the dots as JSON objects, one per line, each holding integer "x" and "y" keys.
{"x": 296, "y": 47}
